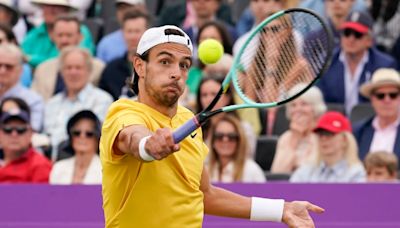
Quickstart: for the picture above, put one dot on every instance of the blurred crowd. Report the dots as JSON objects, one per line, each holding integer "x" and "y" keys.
{"x": 63, "y": 63}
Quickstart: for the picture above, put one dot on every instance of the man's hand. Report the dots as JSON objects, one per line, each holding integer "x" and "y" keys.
{"x": 295, "y": 214}
{"x": 161, "y": 144}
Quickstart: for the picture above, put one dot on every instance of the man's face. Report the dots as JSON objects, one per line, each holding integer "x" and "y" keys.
{"x": 75, "y": 71}
{"x": 51, "y": 12}
{"x": 5, "y": 15}
{"x": 380, "y": 174}
{"x": 66, "y": 33}
{"x": 133, "y": 30}
{"x": 10, "y": 70}
{"x": 354, "y": 43}
{"x": 386, "y": 101}
{"x": 261, "y": 9}
{"x": 163, "y": 77}
{"x": 338, "y": 8}
{"x": 15, "y": 136}
{"x": 205, "y": 8}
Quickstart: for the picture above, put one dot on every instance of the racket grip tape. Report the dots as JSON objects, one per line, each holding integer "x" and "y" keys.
{"x": 185, "y": 130}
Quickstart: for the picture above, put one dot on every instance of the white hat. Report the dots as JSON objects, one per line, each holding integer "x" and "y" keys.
{"x": 130, "y": 2}
{"x": 65, "y": 3}
{"x": 157, "y": 35}
{"x": 9, "y": 5}
{"x": 381, "y": 77}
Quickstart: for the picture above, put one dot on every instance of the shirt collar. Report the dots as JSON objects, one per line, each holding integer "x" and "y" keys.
{"x": 393, "y": 125}
{"x": 84, "y": 93}
{"x": 364, "y": 60}
{"x": 337, "y": 168}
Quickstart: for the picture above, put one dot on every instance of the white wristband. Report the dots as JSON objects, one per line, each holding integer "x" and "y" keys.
{"x": 263, "y": 209}
{"x": 142, "y": 151}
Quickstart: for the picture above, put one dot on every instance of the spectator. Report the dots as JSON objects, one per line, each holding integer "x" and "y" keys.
{"x": 84, "y": 167}
{"x": 38, "y": 45}
{"x": 118, "y": 71}
{"x": 353, "y": 63}
{"x": 21, "y": 164}
{"x": 11, "y": 60}
{"x": 386, "y": 27}
{"x": 336, "y": 159}
{"x": 209, "y": 87}
{"x": 40, "y": 142}
{"x": 9, "y": 16}
{"x": 214, "y": 30}
{"x": 48, "y": 80}
{"x": 7, "y": 36}
{"x": 205, "y": 11}
{"x": 382, "y": 131}
{"x": 260, "y": 10}
{"x": 336, "y": 14}
{"x": 107, "y": 49}
{"x": 319, "y": 5}
{"x": 298, "y": 144}
{"x": 228, "y": 159}
{"x": 381, "y": 166}
{"x": 79, "y": 93}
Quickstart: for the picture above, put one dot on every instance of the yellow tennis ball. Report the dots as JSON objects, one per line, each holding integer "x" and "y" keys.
{"x": 210, "y": 51}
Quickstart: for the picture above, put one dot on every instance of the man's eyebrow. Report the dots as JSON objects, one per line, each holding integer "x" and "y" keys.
{"x": 164, "y": 53}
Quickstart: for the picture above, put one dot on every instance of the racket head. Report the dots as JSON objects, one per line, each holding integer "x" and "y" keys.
{"x": 290, "y": 47}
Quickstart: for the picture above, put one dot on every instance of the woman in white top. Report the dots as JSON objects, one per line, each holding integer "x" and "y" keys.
{"x": 228, "y": 154}
{"x": 85, "y": 166}
{"x": 296, "y": 145}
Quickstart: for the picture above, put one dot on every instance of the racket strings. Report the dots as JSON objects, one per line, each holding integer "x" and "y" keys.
{"x": 289, "y": 50}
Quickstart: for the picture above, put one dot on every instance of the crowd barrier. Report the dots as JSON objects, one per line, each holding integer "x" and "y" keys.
{"x": 347, "y": 205}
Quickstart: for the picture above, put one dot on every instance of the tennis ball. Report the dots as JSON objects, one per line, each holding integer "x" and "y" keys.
{"x": 210, "y": 51}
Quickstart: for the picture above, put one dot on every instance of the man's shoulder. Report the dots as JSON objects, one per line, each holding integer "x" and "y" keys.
{"x": 109, "y": 39}
{"x": 38, "y": 159}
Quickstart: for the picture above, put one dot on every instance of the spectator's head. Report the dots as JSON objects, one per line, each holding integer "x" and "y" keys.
{"x": 76, "y": 65}
{"x": 356, "y": 33}
{"x": 335, "y": 140}
{"x": 66, "y": 31}
{"x": 383, "y": 90}
{"x": 216, "y": 30}
{"x": 208, "y": 89}
{"x": 84, "y": 130}
{"x": 219, "y": 69}
{"x": 11, "y": 60}
{"x": 123, "y": 6}
{"x": 228, "y": 144}
{"x": 8, "y": 14}
{"x": 7, "y": 35}
{"x": 134, "y": 24}
{"x": 338, "y": 8}
{"x": 205, "y": 9}
{"x": 16, "y": 131}
{"x": 381, "y": 166}
{"x": 10, "y": 103}
{"x": 51, "y": 9}
{"x": 261, "y": 9}
{"x": 309, "y": 103}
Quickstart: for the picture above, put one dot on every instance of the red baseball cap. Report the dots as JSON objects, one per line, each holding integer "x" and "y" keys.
{"x": 333, "y": 122}
{"x": 359, "y": 21}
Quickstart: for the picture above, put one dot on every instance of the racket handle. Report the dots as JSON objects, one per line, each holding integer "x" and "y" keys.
{"x": 185, "y": 130}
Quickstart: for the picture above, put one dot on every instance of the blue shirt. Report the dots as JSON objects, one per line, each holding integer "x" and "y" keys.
{"x": 340, "y": 172}
{"x": 34, "y": 100}
{"x": 319, "y": 6}
{"x": 111, "y": 46}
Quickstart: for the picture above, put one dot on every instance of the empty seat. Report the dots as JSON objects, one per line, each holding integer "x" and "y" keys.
{"x": 265, "y": 151}
{"x": 361, "y": 111}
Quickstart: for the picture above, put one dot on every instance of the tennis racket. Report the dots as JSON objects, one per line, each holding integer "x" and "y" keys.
{"x": 288, "y": 48}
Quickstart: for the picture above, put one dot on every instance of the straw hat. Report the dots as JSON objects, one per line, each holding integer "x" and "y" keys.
{"x": 381, "y": 77}
{"x": 9, "y": 5}
{"x": 65, "y": 3}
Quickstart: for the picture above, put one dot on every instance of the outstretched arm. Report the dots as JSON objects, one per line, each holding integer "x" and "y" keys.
{"x": 220, "y": 202}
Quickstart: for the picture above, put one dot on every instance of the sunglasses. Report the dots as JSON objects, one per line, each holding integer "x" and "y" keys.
{"x": 274, "y": 29}
{"x": 19, "y": 129}
{"x": 381, "y": 96}
{"x": 349, "y": 32}
{"x": 87, "y": 134}
{"x": 230, "y": 136}
{"x": 7, "y": 66}
{"x": 321, "y": 133}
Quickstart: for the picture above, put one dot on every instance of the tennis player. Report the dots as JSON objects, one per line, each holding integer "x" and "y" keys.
{"x": 151, "y": 182}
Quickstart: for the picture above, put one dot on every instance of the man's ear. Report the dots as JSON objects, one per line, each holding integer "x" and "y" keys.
{"x": 139, "y": 65}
